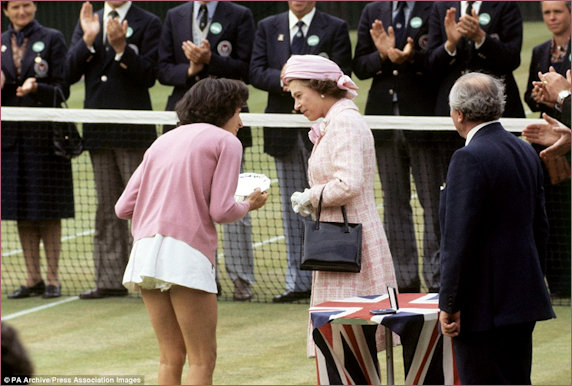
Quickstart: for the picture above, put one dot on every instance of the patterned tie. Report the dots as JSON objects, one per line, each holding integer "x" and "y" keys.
{"x": 113, "y": 14}
{"x": 399, "y": 24}
{"x": 298, "y": 40}
{"x": 469, "y": 10}
{"x": 203, "y": 21}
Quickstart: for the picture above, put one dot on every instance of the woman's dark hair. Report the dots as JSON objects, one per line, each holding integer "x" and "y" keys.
{"x": 212, "y": 101}
{"x": 325, "y": 87}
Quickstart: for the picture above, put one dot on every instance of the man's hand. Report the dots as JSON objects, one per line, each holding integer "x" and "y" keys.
{"x": 542, "y": 133}
{"x": 198, "y": 54}
{"x": 551, "y": 83}
{"x": 398, "y": 56}
{"x": 30, "y": 86}
{"x": 552, "y": 134}
{"x": 89, "y": 23}
{"x": 116, "y": 34}
{"x": 453, "y": 35}
{"x": 450, "y": 323}
{"x": 383, "y": 41}
{"x": 469, "y": 26}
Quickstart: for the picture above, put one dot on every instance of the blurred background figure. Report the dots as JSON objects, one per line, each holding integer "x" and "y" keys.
{"x": 555, "y": 54}
{"x": 37, "y": 185}
{"x": 115, "y": 51}
{"x": 216, "y": 43}
{"x": 302, "y": 30}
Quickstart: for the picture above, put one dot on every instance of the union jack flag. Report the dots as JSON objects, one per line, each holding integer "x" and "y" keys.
{"x": 344, "y": 333}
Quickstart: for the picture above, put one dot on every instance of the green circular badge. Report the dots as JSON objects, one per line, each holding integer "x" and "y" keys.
{"x": 38, "y": 46}
{"x": 313, "y": 40}
{"x": 484, "y": 19}
{"x": 416, "y": 22}
{"x": 216, "y": 28}
{"x": 129, "y": 32}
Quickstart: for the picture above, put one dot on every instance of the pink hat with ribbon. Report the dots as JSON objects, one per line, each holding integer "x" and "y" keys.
{"x": 319, "y": 68}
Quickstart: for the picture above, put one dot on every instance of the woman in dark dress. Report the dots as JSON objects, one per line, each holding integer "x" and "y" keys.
{"x": 37, "y": 185}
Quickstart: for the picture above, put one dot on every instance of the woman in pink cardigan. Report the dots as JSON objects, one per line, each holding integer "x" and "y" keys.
{"x": 184, "y": 185}
{"x": 342, "y": 165}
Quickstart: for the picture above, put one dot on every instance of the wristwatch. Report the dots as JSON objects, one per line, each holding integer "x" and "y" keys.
{"x": 561, "y": 96}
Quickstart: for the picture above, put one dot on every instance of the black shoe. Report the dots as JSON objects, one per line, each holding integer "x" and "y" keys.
{"x": 25, "y": 292}
{"x": 52, "y": 291}
{"x": 290, "y": 296}
{"x": 99, "y": 293}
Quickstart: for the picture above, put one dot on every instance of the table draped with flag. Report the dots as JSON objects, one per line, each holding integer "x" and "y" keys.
{"x": 344, "y": 333}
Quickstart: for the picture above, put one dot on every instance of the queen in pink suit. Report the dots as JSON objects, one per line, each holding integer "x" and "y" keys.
{"x": 343, "y": 165}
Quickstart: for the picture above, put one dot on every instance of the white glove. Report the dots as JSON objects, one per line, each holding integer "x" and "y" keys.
{"x": 301, "y": 202}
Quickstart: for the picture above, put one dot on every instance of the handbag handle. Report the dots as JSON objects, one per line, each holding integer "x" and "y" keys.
{"x": 317, "y": 223}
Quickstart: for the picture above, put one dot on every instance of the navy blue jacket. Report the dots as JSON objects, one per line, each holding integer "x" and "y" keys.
{"x": 271, "y": 51}
{"x": 237, "y": 32}
{"x": 410, "y": 80}
{"x": 124, "y": 84}
{"x": 499, "y": 55}
{"x": 494, "y": 231}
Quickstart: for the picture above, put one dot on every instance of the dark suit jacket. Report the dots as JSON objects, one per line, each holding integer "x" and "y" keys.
{"x": 494, "y": 231}
{"x": 237, "y": 32}
{"x": 411, "y": 80}
{"x": 540, "y": 61}
{"x": 271, "y": 51}
{"x": 124, "y": 84}
{"x": 499, "y": 55}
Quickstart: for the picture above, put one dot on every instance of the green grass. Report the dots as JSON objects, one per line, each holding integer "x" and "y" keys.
{"x": 258, "y": 344}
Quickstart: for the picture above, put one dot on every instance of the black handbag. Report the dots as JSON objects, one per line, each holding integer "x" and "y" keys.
{"x": 331, "y": 246}
{"x": 66, "y": 139}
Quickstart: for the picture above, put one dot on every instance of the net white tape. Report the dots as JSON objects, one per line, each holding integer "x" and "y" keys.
{"x": 375, "y": 122}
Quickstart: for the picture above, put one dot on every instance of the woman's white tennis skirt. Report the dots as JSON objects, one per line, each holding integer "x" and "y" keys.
{"x": 159, "y": 262}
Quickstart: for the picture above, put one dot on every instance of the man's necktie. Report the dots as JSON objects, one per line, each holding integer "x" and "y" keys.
{"x": 469, "y": 10}
{"x": 399, "y": 24}
{"x": 204, "y": 18}
{"x": 113, "y": 14}
{"x": 298, "y": 40}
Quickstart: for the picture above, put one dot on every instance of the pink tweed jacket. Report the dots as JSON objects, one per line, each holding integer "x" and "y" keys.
{"x": 343, "y": 164}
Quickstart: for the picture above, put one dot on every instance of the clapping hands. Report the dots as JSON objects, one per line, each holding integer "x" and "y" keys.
{"x": 198, "y": 56}
{"x": 385, "y": 43}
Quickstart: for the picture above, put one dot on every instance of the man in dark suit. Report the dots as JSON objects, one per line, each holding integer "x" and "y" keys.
{"x": 302, "y": 30}
{"x": 201, "y": 39}
{"x": 494, "y": 231}
{"x": 391, "y": 49}
{"x": 465, "y": 36}
{"x": 115, "y": 49}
